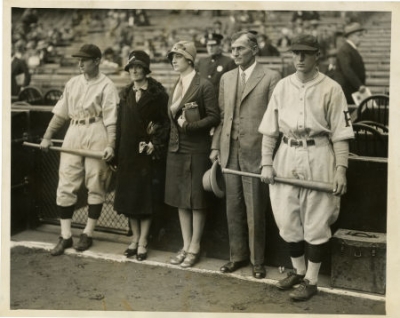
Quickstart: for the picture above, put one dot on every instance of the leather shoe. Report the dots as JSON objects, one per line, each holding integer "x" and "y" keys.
{"x": 304, "y": 292}
{"x": 190, "y": 260}
{"x": 61, "y": 246}
{"x": 84, "y": 243}
{"x": 232, "y": 266}
{"x": 291, "y": 280}
{"x": 259, "y": 271}
{"x": 178, "y": 258}
{"x": 130, "y": 252}
{"x": 142, "y": 256}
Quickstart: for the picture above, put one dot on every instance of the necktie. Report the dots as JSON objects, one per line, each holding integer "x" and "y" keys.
{"x": 242, "y": 82}
{"x": 177, "y": 97}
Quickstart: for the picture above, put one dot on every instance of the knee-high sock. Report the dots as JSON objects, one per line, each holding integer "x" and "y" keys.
{"x": 299, "y": 264}
{"x": 312, "y": 272}
{"x": 90, "y": 225}
{"x": 66, "y": 228}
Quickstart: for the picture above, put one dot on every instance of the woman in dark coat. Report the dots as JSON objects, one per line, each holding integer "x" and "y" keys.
{"x": 193, "y": 111}
{"x": 142, "y": 135}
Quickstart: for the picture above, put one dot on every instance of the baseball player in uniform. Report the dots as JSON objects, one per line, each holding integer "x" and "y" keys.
{"x": 216, "y": 64}
{"x": 90, "y": 103}
{"x": 309, "y": 110}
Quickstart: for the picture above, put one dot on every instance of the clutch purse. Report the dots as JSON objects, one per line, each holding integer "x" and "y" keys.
{"x": 191, "y": 111}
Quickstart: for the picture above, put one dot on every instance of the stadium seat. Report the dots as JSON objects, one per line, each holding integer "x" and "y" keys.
{"x": 368, "y": 141}
{"x": 374, "y": 108}
{"x": 31, "y": 95}
{"x": 51, "y": 97}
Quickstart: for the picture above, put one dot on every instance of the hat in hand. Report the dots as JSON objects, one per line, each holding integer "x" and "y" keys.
{"x": 90, "y": 51}
{"x": 352, "y": 28}
{"x": 138, "y": 58}
{"x": 304, "y": 42}
{"x": 186, "y": 48}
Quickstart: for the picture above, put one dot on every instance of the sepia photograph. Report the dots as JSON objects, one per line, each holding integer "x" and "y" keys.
{"x": 200, "y": 159}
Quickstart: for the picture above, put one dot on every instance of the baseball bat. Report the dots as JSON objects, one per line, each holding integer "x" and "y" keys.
{"x": 307, "y": 184}
{"x": 79, "y": 152}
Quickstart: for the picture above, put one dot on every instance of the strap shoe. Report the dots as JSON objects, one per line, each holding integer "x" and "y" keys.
{"x": 61, "y": 246}
{"x": 84, "y": 243}
{"x": 178, "y": 258}
{"x": 190, "y": 260}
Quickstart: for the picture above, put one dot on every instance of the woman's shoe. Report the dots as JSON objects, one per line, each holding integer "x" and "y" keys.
{"x": 142, "y": 256}
{"x": 129, "y": 252}
{"x": 190, "y": 260}
{"x": 178, "y": 258}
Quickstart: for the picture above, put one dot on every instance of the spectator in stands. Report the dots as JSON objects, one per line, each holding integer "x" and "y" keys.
{"x": 141, "y": 18}
{"x": 243, "y": 98}
{"x": 330, "y": 68}
{"x": 193, "y": 111}
{"x": 141, "y": 145}
{"x": 29, "y": 17}
{"x": 20, "y": 75}
{"x": 285, "y": 39}
{"x": 110, "y": 59}
{"x": 266, "y": 47}
{"x": 89, "y": 102}
{"x": 309, "y": 110}
{"x": 216, "y": 64}
{"x": 350, "y": 69}
{"x": 217, "y": 27}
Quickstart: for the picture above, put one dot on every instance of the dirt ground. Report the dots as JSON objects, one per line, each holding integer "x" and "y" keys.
{"x": 70, "y": 282}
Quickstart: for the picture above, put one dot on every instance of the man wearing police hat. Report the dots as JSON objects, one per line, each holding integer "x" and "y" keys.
{"x": 216, "y": 64}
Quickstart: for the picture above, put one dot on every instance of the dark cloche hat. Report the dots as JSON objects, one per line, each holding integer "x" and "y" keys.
{"x": 138, "y": 58}
{"x": 89, "y": 51}
{"x": 304, "y": 42}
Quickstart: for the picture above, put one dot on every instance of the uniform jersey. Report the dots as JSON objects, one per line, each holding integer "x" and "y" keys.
{"x": 306, "y": 110}
{"x": 317, "y": 111}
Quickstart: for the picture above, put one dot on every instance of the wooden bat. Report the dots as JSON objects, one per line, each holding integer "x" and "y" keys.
{"x": 307, "y": 184}
{"x": 79, "y": 152}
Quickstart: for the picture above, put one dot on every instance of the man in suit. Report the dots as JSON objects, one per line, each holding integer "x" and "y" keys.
{"x": 243, "y": 98}
{"x": 350, "y": 69}
{"x": 216, "y": 64}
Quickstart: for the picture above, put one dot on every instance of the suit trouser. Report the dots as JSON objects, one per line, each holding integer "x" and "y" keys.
{"x": 246, "y": 201}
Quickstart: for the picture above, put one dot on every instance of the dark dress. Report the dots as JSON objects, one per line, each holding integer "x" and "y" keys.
{"x": 140, "y": 177}
{"x": 189, "y": 148}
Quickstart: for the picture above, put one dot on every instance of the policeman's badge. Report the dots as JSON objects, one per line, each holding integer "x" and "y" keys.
{"x": 219, "y": 68}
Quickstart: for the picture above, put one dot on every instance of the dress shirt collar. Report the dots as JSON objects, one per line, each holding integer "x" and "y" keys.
{"x": 351, "y": 43}
{"x": 248, "y": 71}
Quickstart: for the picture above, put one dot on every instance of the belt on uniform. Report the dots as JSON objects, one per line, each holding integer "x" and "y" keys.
{"x": 298, "y": 142}
{"x": 85, "y": 121}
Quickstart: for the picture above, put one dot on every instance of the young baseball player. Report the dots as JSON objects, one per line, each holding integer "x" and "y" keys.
{"x": 90, "y": 103}
{"x": 310, "y": 111}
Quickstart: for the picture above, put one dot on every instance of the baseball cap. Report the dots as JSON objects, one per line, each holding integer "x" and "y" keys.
{"x": 186, "y": 48}
{"x": 304, "y": 42}
{"x": 138, "y": 58}
{"x": 89, "y": 51}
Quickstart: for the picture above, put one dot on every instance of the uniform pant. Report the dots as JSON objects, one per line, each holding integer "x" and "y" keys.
{"x": 77, "y": 169}
{"x": 302, "y": 214}
{"x": 246, "y": 199}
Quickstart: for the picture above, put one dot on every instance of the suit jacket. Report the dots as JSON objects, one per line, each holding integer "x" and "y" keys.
{"x": 350, "y": 70}
{"x": 254, "y": 101}
{"x": 194, "y": 135}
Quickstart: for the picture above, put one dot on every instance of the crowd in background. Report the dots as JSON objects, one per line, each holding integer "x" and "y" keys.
{"x": 38, "y": 44}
